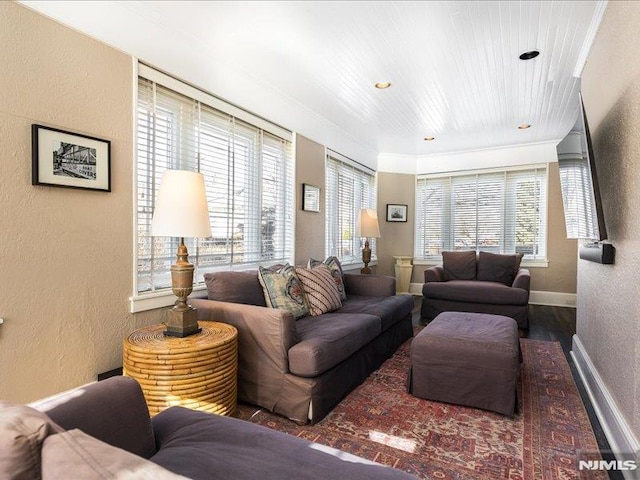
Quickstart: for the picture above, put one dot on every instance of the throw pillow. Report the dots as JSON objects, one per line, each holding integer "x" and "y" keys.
{"x": 336, "y": 272}
{"x": 235, "y": 287}
{"x": 22, "y": 431}
{"x": 282, "y": 289}
{"x": 493, "y": 267}
{"x": 320, "y": 288}
{"x": 78, "y": 455}
{"x": 459, "y": 265}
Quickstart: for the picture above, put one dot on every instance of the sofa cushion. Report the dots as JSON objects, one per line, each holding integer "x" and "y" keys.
{"x": 493, "y": 267}
{"x": 22, "y": 431}
{"x": 235, "y": 287}
{"x": 390, "y": 310}
{"x": 459, "y": 265}
{"x": 202, "y": 446}
{"x": 320, "y": 289}
{"x": 283, "y": 289}
{"x": 328, "y": 339}
{"x": 74, "y": 453}
{"x": 474, "y": 291}
{"x": 336, "y": 272}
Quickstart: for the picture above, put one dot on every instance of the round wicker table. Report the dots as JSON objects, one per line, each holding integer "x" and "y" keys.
{"x": 197, "y": 372}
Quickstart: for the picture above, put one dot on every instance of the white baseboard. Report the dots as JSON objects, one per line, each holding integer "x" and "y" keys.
{"x": 554, "y": 299}
{"x": 536, "y": 297}
{"x": 619, "y": 435}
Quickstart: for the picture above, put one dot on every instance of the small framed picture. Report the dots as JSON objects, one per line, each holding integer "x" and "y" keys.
{"x": 396, "y": 212}
{"x": 310, "y": 198}
{"x": 66, "y": 159}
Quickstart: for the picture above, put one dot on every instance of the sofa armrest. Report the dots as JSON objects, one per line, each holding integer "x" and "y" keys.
{"x": 113, "y": 411}
{"x": 522, "y": 280}
{"x": 434, "y": 274}
{"x": 369, "y": 285}
{"x": 265, "y": 336}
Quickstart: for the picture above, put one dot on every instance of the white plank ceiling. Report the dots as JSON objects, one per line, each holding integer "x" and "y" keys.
{"x": 311, "y": 66}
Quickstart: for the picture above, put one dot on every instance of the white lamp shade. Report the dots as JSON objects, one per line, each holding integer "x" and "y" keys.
{"x": 368, "y": 224}
{"x": 181, "y": 207}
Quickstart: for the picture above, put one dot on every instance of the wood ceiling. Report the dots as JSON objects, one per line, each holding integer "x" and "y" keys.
{"x": 311, "y": 66}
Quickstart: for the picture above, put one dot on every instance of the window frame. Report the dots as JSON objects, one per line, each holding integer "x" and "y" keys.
{"x": 362, "y": 172}
{"x": 526, "y": 261}
{"x": 160, "y": 297}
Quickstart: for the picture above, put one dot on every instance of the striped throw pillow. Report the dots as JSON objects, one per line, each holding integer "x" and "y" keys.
{"x": 336, "y": 272}
{"x": 320, "y": 289}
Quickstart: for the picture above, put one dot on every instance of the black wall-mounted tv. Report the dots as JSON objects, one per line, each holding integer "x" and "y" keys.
{"x": 583, "y": 214}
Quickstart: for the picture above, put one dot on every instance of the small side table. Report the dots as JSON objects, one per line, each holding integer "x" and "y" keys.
{"x": 197, "y": 372}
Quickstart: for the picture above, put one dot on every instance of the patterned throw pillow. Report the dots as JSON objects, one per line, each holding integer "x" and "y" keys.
{"x": 336, "y": 272}
{"x": 320, "y": 289}
{"x": 282, "y": 289}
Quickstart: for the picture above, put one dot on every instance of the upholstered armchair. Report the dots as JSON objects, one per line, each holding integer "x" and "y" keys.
{"x": 483, "y": 283}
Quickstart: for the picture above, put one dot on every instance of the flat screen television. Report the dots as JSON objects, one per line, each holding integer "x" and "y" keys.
{"x": 584, "y": 218}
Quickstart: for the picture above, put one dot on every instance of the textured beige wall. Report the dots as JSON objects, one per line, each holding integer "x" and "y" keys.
{"x": 65, "y": 255}
{"x": 395, "y": 238}
{"x": 608, "y": 300}
{"x": 560, "y": 275}
{"x": 310, "y": 226}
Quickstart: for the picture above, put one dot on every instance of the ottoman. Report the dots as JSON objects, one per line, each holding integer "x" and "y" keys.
{"x": 470, "y": 359}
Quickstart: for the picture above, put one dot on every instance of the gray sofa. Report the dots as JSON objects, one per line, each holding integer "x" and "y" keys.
{"x": 302, "y": 368}
{"x": 483, "y": 283}
{"x": 103, "y": 430}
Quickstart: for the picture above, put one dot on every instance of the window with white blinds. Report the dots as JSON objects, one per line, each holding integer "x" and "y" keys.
{"x": 249, "y": 181}
{"x": 578, "y": 199}
{"x": 349, "y": 189}
{"x": 498, "y": 212}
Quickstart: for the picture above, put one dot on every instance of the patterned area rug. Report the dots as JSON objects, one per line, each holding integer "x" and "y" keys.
{"x": 381, "y": 422}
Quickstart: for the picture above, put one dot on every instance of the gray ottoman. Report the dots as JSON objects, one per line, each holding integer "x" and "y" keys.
{"x": 470, "y": 359}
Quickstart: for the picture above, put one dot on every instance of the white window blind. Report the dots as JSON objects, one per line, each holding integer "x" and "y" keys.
{"x": 349, "y": 189}
{"x": 579, "y": 206}
{"x": 498, "y": 212}
{"x": 249, "y": 181}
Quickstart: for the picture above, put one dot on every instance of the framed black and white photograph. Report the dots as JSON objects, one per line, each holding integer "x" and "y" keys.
{"x": 396, "y": 212}
{"x": 310, "y": 198}
{"x": 66, "y": 159}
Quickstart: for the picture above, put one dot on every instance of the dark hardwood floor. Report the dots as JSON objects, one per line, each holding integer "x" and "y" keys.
{"x": 557, "y": 324}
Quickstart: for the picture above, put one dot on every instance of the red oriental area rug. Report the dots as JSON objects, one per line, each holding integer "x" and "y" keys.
{"x": 380, "y": 421}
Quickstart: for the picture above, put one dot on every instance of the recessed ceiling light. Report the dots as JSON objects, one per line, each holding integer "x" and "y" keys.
{"x": 529, "y": 55}
{"x": 428, "y": 139}
{"x": 383, "y": 85}
{"x": 524, "y": 126}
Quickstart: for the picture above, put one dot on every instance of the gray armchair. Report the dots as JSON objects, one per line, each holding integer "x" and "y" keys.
{"x": 491, "y": 284}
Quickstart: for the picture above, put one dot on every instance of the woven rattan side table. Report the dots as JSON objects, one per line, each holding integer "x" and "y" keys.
{"x": 197, "y": 372}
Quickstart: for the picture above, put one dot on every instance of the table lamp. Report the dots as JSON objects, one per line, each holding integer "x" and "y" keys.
{"x": 181, "y": 211}
{"x": 368, "y": 228}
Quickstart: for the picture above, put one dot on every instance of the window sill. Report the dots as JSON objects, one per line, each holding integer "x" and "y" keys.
{"x": 356, "y": 266}
{"x": 164, "y": 298}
